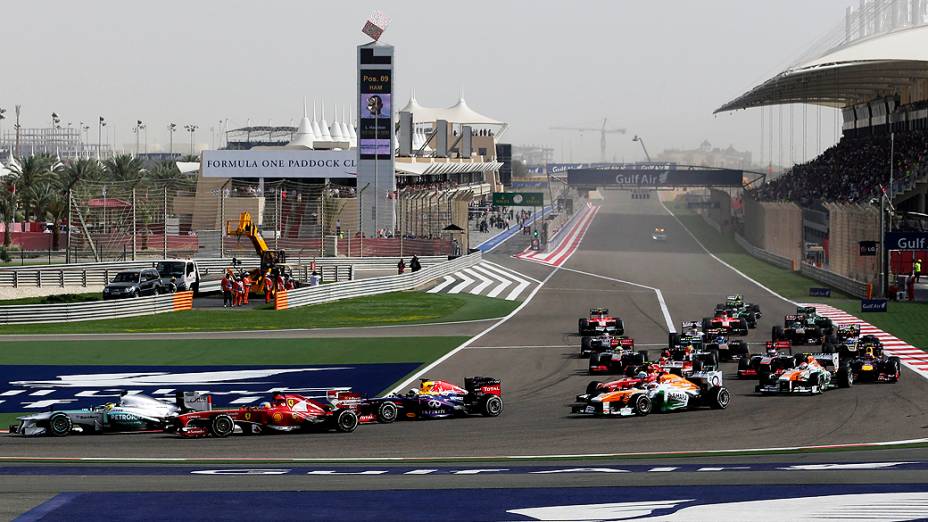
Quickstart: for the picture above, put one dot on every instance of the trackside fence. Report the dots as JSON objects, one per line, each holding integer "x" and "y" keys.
{"x": 95, "y": 274}
{"x": 846, "y": 285}
{"x": 763, "y": 255}
{"x": 71, "y": 312}
{"x": 375, "y": 285}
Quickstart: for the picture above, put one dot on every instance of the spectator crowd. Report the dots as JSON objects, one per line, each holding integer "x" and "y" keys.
{"x": 853, "y": 170}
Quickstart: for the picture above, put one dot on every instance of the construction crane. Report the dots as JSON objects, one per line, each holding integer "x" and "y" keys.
{"x": 602, "y": 135}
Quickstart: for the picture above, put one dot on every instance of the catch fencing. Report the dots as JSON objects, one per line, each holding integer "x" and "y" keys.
{"x": 92, "y": 311}
{"x": 373, "y": 286}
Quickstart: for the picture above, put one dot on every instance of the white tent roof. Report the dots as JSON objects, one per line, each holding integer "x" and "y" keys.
{"x": 856, "y": 73}
{"x": 304, "y": 137}
{"x": 459, "y": 113}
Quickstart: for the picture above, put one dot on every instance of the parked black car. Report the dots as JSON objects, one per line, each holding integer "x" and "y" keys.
{"x": 134, "y": 283}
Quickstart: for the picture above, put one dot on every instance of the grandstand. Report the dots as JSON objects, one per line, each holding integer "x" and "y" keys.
{"x": 873, "y": 66}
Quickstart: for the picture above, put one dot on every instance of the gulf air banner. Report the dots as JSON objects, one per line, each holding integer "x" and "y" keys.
{"x": 656, "y": 176}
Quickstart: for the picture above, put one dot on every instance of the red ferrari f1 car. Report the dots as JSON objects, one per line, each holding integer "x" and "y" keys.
{"x": 284, "y": 413}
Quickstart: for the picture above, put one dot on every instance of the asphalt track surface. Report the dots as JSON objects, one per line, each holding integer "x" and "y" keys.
{"x": 533, "y": 354}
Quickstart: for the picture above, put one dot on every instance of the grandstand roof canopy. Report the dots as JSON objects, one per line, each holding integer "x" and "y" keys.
{"x": 859, "y": 72}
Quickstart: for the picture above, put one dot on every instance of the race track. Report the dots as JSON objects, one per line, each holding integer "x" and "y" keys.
{"x": 534, "y": 353}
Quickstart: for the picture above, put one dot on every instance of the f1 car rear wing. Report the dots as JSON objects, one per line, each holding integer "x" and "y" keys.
{"x": 194, "y": 401}
{"x": 825, "y": 359}
{"x": 342, "y": 397}
{"x": 780, "y": 345}
{"x": 626, "y": 342}
{"x": 808, "y": 310}
{"x": 482, "y": 386}
{"x": 793, "y": 317}
{"x": 690, "y": 324}
{"x": 599, "y": 311}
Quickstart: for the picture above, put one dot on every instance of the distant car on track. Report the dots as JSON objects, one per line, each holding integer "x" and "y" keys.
{"x": 777, "y": 358}
{"x": 868, "y": 363}
{"x": 726, "y": 321}
{"x": 621, "y": 358}
{"x": 659, "y": 234}
{"x": 598, "y": 322}
{"x": 804, "y": 327}
{"x": 812, "y": 373}
{"x": 437, "y": 400}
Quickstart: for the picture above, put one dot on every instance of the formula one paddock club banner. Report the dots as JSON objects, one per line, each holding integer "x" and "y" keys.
{"x": 279, "y": 164}
{"x": 654, "y": 176}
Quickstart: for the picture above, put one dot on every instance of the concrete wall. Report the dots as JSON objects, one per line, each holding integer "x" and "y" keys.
{"x": 850, "y": 224}
{"x": 774, "y": 227}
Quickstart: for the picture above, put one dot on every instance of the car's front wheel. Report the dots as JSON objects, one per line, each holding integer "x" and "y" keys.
{"x": 642, "y": 404}
{"x": 721, "y": 398}
{"x": 222, "y": 426}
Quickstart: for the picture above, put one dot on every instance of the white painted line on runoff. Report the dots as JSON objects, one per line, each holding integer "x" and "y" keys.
{"x": 465, "y": 282}
{"x": 484, "y": 282}
{"x": 660, "y": 296}
{"x": 637, "y": 345}
{"x": 504, "y": 282}
{"x": 441, "y": 286}
{"x": 713, "y": 256}
{"x": 780, "y": 449}
{"x": 402, "y": 386}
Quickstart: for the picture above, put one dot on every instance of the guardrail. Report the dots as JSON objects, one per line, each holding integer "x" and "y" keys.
{"x": 763, "y": 255}
{"x": 91, "y": 274}
{"x": 375, "y": 285}
{"x": 847, "y": 285}
{"x": 92, "y": 311}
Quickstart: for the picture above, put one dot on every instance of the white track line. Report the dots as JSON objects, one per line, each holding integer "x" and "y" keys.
{"x": 466, "y": 281}
{"x": 660, "y": 296}
{"x": 415, "y": 376}
{"x": 484, "y": 282}
{"x": 520, "y": 287}
{"x": 441, "y": 286}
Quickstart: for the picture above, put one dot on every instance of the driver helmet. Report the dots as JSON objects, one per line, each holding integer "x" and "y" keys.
{"x": 412, "y": 392}
{"x": 803, "y": 365}
{"x": 642, "y": 375}
{"x": 265, "y": 405}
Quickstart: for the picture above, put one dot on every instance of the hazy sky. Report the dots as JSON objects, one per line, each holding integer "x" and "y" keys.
{"x": 657, "y": 68}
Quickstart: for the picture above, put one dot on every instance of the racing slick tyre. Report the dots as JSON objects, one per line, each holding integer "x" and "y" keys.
{"x": 387, "y": 412}
{"x": 59, "y": 425}
{"x": 252, "y": 429}
{"x": 586, "y": 345}
{"x": 738, "y": 349}
{"x": 776, "y": 333}
{"x": 583, "y": 325}
{"x": 346, "y": 421}
{"x": 720, "y": 398}
{"x": 491, "y": 406}
{"x": 673, "y": 339}
{"x": 744, "y": 364}
{"x": 592, "y": 388}
{"x": 895, "y": 369}
{"x": 706, "y": 323}
{"x": 644, "y": 356}
{"x": 845, "y": 376}
{"x": 221, "y": 426}
{"x": 828, "y": 347}
{"x": 742, "y": 327}
{"x": 642, "y": 405}
{"x": 754, "y": 308}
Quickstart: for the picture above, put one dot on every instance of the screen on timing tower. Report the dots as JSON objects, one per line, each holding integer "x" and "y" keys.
{"x": 375, "y": 124}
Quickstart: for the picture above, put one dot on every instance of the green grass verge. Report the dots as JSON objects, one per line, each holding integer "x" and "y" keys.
{"x": 54, "y": 299}
{"x": 198, "y": 352}
{"x": 904, "y": 320}
{"x": 385, "y": 309}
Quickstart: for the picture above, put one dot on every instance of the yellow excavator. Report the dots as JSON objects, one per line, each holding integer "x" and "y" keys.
{"x": 270, "y": 259}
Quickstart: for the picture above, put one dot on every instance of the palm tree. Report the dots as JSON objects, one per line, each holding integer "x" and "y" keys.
{"x": 190, "y": 158}
{"x": 26, "y": 177}
{"x": 124, "y": 168}
{"x": 164, "y": 173}
{"x": 8, "y": 209}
